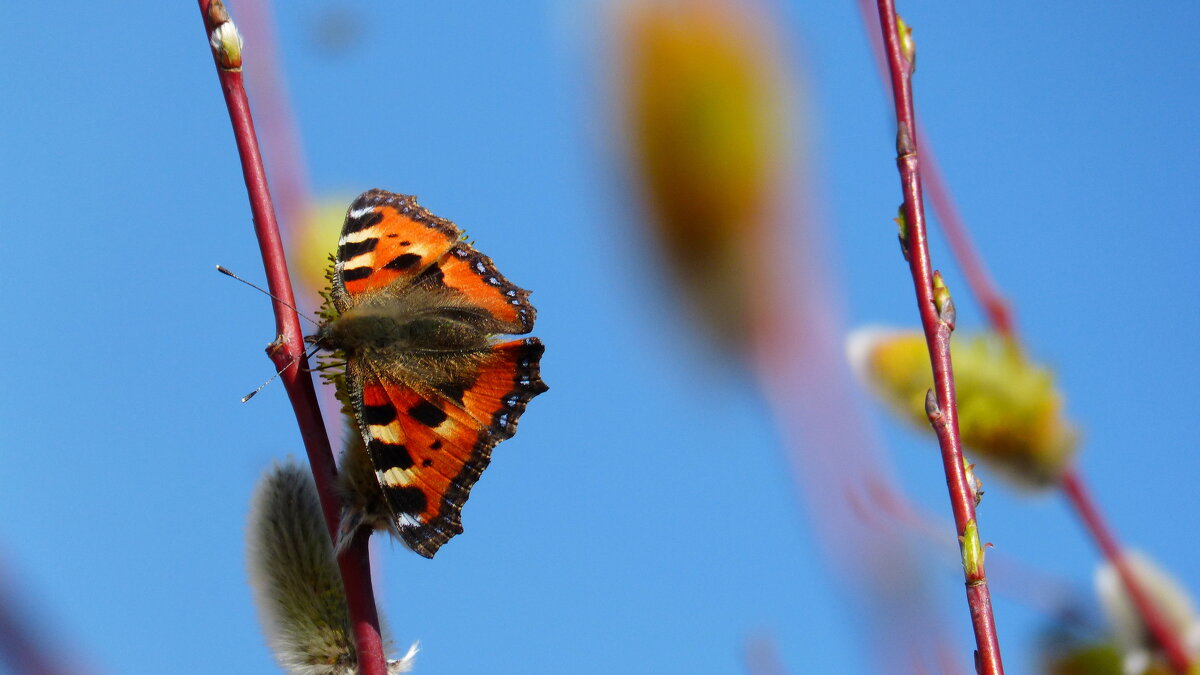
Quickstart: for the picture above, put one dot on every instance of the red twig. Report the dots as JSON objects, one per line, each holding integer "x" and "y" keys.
{"x": 280, "y": 135}
{"x": 979, "y": 280}
{"x": 287, "y": 352}
{"x": 937, "y": 320}
{"x": 1077, "y": 494}
{"x": 999, "y": 314}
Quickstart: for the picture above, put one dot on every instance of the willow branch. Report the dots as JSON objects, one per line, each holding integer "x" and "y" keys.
{"x": 1156, "y": 624}
{"x": 999, "y": 313}
{"x": 979, "y": 280}
{"x": 1073, "y": 485}
{"x": 287, "y": 351}
{"x": 280, "y": 135}
{"x": 937, "y": 320}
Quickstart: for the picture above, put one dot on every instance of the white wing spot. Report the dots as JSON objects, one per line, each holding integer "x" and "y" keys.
{"x": 359, "y": 213}
{"x": 355, "y": 237}
{"x": 386, "y": 433}
{"x": 395, "y": 477}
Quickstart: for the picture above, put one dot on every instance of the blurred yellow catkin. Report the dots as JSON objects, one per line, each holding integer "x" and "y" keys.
{"x": 1010, "y": 413}
{"x": 704, "y": 110}
{"x": 315, "y": 240}
{"x": 1063, "y": 655}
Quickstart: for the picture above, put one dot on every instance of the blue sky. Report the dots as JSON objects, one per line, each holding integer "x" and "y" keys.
{"x": 599, "y": 540}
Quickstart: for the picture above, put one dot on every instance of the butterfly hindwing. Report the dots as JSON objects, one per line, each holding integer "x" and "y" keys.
{"x": 386, "y": 237}
{"x": 425, "y": 465}
{"x": 428, "y": 449}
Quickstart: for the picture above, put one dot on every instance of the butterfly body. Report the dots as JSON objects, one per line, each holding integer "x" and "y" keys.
{"x": 396, "y": 327}
{"x": 417, "y": 310}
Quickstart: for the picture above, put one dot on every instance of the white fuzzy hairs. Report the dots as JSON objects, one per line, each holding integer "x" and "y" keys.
{"x": 295, "y": 578}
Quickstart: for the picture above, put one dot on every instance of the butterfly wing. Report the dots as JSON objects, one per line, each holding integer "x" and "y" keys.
{"x": 386, "y": 238}
{"x": 429, "y": 448}
{"x": 474, "y": 277}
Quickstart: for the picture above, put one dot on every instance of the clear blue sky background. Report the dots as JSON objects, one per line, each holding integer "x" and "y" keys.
{"x": 599, "y": 540}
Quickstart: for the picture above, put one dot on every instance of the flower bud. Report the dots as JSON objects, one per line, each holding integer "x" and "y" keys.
{"x": 704, "y": 115}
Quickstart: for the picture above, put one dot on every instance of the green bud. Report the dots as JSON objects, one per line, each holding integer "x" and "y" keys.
{"x": 972, "y": 552}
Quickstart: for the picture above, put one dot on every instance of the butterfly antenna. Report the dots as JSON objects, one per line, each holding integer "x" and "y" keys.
{"x": 267, "y": 293}
{"x": 291, "y": 363}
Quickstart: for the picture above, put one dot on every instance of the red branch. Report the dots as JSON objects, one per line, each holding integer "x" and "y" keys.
{"x": 938, "y": 322}
{"x": 999, "y": 313}
{"x": 287, "y": 351}
{"x": 979, "y": 280}
{"x": 1076, "y": 492}
{"x": 1072, "y": 483}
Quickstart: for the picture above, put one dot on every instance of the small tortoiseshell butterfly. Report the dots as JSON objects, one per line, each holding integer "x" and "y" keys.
{"x": 416, "y": 311}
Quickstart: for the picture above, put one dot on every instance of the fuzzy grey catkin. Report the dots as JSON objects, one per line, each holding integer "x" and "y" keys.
{"x": 295, "y": 578}
{"x": 365, "y": 504}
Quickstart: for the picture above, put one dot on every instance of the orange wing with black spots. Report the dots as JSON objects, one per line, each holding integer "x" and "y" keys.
{"x": 387, "y": 237}
{"x": 429, "y": 450}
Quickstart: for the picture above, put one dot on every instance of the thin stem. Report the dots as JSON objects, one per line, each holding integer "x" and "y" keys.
{"x": 1076, "y": 492}
{"x": 937, "y": 321}
{"x": 979, "y": 280}
{"x": 999, "y": 313}
{"x": 280, "y": 133}
{"x": 287, "y": 352}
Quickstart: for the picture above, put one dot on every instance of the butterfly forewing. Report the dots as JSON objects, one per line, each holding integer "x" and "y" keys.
{"x": 387, "y": 238}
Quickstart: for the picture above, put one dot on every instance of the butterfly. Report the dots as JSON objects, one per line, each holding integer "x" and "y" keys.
{"x": 415, "y": 312}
